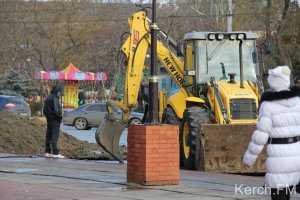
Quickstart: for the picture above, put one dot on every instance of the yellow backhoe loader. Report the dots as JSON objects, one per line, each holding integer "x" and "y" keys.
{"x": 216, "y": 100}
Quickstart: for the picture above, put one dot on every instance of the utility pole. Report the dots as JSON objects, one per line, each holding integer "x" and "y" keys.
{"x": 268, "y": 19}
{"x": 229, "y": 16}
{"x": 153, "y": 80}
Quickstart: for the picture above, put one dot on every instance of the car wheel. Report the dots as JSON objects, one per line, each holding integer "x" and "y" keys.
{"x": 135, "y": 121}
{"x": 81, "y": 123}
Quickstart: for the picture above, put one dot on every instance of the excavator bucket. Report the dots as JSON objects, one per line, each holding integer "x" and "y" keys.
{"x": 108, "y": 136}
{"x": 224, "y": 147}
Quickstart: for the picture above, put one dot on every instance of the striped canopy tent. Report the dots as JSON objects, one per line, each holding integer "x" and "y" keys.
{"x": 72, "y": 77}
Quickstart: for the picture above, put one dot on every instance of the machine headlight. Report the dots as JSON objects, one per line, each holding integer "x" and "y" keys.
{"x": 232, "y": 37}
{"x": 211, "y": 36}
{"x": 220, "y": 36}
{"x": 240, "y": 36}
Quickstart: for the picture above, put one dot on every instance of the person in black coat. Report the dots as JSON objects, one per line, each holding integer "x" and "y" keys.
{"x": 81, "y": 99}
{"x": 53, "y": 113}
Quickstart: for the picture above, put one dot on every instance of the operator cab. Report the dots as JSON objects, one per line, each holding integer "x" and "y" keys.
{"x": 216, "y": 55}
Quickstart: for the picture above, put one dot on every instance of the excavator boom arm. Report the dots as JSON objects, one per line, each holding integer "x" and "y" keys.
{"x": 135, "y": 49}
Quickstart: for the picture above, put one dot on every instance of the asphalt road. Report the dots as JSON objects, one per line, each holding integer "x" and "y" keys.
{"x": 63, "y": 179}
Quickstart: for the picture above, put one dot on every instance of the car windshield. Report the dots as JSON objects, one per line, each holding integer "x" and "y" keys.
{"x": 16, "y": 100}
{"x": 219, "y": 58}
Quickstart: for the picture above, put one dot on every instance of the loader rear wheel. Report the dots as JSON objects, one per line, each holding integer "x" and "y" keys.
{"x": 191, "y": 146}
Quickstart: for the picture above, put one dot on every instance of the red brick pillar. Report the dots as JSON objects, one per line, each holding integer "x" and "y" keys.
{"x": 153, "y": 155}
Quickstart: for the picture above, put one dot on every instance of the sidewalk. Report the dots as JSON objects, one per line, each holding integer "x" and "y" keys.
{"x": 44, "y": 179}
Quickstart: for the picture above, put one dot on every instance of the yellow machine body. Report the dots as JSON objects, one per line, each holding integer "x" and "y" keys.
{"x": 215, "y": 124}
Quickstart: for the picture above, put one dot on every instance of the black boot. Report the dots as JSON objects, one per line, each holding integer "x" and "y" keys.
{"x": 298, "y": 188}
{"x": 280, "y": 194}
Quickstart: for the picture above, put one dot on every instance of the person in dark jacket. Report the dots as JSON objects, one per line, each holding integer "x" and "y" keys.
{"x": 53, "y": 113}
{"x": 81, "y": 98}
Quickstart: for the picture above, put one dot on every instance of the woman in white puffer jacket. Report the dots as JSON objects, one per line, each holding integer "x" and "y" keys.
{"x": 279, "y": 127}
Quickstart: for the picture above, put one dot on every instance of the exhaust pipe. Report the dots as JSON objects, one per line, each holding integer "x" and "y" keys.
{"x": 241, "y": 63}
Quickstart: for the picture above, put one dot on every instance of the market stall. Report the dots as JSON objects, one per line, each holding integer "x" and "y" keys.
{"x": 73, "y": 79}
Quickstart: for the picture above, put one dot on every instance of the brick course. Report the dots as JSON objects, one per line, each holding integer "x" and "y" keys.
{"x": 153, "y": 155}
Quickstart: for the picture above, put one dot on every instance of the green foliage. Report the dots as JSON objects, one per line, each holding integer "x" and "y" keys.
{"x": 16, "y": 83}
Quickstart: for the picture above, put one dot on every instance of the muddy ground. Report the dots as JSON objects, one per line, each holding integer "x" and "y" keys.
{"x": 21, "y": 135}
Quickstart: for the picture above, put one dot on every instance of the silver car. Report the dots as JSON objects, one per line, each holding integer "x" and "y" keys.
{"x": 91, "y": 115}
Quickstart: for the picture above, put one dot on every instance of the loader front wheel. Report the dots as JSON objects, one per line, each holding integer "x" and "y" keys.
{"x": 191, "y": 146}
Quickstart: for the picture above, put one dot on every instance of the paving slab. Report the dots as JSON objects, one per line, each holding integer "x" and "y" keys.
{"x": 37, "y": 178}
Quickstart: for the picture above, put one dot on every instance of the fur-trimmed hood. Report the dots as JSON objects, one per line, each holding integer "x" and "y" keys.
{"x": 285, "y": 94}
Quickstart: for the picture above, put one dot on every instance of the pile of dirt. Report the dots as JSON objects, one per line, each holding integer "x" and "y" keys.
{"x": 26, "y": 136}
